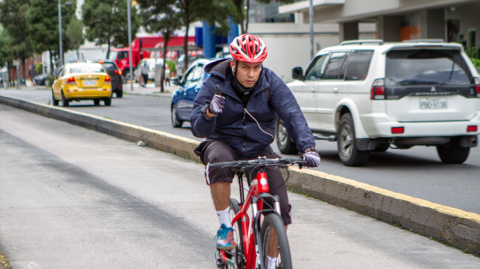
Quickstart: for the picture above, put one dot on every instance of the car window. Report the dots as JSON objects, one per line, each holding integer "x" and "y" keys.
{"x": 62, "y": 73}
{"x": 426, "y": 67}
{"x": 334, "y": 66}
{"x": 198, "y": 72}
{"x": 189, "y": 75}
{"x": 122, "y": 55}
{"x": 314, "y": 72}
{"x": 357, "y": 64}
{"x": 87, "y": 68}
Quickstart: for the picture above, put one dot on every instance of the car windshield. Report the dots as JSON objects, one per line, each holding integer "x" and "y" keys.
{"x": 426, "y": 67}
{"x": 112, "y": 56}
{"x": 87, "y": 68}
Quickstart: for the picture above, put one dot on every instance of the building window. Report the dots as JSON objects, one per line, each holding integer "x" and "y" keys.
{"x": 259, "y": 13}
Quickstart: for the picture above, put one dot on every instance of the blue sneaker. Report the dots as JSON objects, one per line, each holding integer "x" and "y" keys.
{"x": 225, "y": 239}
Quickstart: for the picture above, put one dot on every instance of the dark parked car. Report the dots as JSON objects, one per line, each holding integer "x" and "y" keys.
{"x": 40, "y": 79}
{"x": 115, "y": 76}
{"x": 188, "y": 87}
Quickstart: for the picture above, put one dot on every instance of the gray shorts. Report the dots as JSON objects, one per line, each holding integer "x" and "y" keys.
{"x": 212, "y": 151}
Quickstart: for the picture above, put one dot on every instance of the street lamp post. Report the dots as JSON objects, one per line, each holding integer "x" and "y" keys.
{"x": 60, "y": 28}
{"x": 130, "y": 43}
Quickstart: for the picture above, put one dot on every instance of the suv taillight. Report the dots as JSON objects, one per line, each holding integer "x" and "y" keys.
{"x": 117, "y": 72}
{"x": 378, "y": 90}
{"x": 477, "y": 86}
{"x": 71, "y": 81}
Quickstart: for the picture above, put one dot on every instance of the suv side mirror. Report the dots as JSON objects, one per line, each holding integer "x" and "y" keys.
{"x": 297, "y": 73}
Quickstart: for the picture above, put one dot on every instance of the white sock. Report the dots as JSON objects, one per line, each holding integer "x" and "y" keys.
{"x": 271, "y": 262}
{"x": 224, "y": 217}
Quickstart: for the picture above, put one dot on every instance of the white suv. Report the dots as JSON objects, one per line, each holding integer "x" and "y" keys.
{"x": 368, "y": 95}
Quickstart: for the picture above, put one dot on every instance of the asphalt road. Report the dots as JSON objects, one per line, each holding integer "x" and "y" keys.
{"x": 417, "y": 172}
{"x": 75, "y": 198}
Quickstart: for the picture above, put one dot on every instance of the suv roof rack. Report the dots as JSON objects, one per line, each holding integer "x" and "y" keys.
{"x": 361, "y": 42}
{"x": 426, "y": 40}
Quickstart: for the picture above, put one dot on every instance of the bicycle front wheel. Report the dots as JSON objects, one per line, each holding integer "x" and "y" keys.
{"x": 275, "y": 247}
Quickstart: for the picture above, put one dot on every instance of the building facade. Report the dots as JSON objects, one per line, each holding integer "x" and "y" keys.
{"x": 396, "y": 20}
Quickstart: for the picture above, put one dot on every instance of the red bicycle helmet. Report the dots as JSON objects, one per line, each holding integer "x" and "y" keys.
{"x": 248, "y": 48}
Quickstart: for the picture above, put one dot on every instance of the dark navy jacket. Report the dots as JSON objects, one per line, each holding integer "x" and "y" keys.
{"x": 235, "y": 126}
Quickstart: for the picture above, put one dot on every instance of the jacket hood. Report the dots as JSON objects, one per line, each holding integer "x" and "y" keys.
{"x": 218, "y": 68}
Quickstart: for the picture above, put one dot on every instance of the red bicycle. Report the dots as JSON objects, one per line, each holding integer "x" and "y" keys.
{"x": 261, "y": 239}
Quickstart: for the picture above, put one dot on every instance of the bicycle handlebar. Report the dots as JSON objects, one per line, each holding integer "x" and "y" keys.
{"x": 261, "y": 162}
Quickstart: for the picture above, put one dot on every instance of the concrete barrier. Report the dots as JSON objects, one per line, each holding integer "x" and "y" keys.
{"x": 453, "y": 226}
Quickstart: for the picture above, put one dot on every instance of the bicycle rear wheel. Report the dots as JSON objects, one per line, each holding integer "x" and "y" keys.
{"x": 237, "y": 254}
{"x": 275, "y": 243}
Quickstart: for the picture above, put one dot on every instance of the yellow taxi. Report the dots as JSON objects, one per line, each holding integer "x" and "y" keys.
{"x": 82, "y": 81}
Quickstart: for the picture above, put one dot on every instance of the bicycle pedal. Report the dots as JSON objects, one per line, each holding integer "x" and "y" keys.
{"x": 220, "y": 263}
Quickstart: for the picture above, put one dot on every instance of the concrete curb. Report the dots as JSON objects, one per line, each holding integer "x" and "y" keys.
{"x": 456, "y": 227}
{"x": 453, "y": 226}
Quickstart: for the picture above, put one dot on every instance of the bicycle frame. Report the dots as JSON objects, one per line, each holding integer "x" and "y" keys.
{"x": 251, "y": 235}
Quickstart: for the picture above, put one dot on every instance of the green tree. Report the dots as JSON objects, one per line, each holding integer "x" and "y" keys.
{"x": 106, "y": 22}
{"x": 74, "y": 34}
{"x": 12, "y": 17}
{"x": 160, "y": 16}
{"x": 5, "y": 51}
{"x": 43, "y": 26}
{"x": 214, "y": 11}
{"x": 5, "y": 48}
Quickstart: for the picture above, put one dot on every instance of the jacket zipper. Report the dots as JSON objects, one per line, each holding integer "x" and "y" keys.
{"x": 244, "y": 133}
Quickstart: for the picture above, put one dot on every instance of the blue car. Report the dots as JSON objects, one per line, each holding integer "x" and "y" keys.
{"x": 188, "y": 87}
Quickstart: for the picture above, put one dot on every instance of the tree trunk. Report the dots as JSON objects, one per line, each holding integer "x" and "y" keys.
{"x": 108, "y": 49}
{"x": 185, "y": 42}
{"x": 24, "y": 69}
{"x": 165, "y": 43}
{"x": 51, "y": 62}
{"x": 238, "y": 6}
{"x": 78, "y": 54}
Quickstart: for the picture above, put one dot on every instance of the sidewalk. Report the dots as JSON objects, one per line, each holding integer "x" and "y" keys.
{"x": 149, "y": 90}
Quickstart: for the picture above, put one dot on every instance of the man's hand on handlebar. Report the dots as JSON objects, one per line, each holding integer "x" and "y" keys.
{"x": 311, "y": 157}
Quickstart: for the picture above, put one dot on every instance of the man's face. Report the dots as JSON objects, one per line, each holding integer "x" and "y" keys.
{"x": 247, "y": 73}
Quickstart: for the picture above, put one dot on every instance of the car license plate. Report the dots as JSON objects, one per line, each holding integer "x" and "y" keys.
{"x": 433, "y": 103}
{"x": 90, "y": 83}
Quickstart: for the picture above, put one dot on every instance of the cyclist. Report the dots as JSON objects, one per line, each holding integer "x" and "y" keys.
{"x": 239, "y": 124}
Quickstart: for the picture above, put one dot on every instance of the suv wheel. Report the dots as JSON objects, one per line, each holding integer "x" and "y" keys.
{"x": 284, "y": 141}
{"x": 119, "y": 94}
{"x": 452, "y": 153}
{"x": 347, "y": 144}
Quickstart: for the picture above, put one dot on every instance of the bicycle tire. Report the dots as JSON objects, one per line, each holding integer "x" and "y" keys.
{"x": 239, "y": 251}
{"x": 273, "y": 224}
